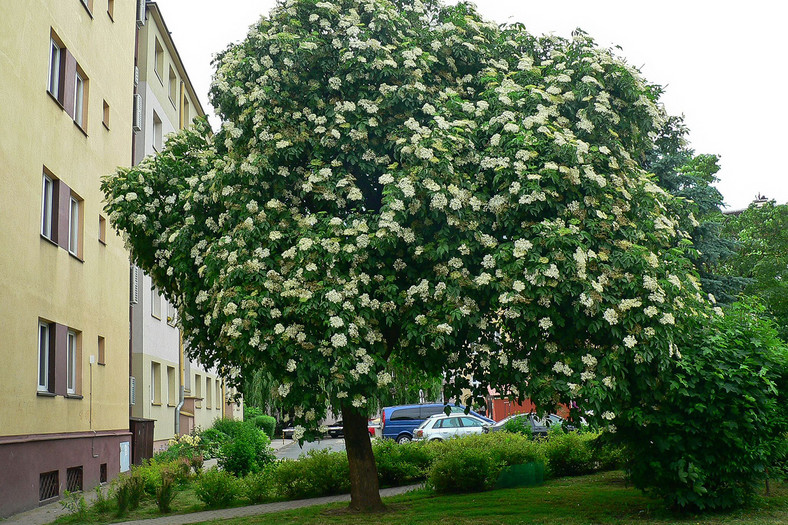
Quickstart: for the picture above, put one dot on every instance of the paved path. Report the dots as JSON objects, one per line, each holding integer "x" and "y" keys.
{"x": 291, "y": 450}
{"x": 254, "y": 510}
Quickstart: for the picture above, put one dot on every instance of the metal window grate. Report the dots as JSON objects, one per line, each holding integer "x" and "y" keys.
{"x": 48, "y": 485}
{"x": 74, "y": 479}
{"x": 103, "y": 473}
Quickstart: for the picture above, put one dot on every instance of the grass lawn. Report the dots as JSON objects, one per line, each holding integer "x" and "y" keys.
{"x": 600, "y": 498}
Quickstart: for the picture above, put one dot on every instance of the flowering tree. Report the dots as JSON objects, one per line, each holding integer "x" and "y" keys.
{"x": 400, "y": 184}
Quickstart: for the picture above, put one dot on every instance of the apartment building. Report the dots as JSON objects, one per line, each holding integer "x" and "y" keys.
{"x": 176, "y": 393}
{"x": 66, "y": 84}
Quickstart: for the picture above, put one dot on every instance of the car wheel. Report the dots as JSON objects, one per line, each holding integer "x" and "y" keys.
{"x": 404, "y": 438}
{"x": 436, "y": 439}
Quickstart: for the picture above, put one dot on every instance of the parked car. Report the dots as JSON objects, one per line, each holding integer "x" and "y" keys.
{"x": 336, "y": 430}
{"x": 399, "y": 422}
{"x": 539, "y": 425}
{"x": 373, "y": 426}
{"x": 440, "y": 427}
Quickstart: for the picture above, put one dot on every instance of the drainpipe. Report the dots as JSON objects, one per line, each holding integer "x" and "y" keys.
{"x": 181, "y": 396}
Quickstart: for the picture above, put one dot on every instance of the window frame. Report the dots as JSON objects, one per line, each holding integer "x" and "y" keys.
{"x": 45, "y": 351}
{"x": 155, "y": 303}
{"x": 47, "y": 206}
{"x": 158, "y": 133}
{"x": 80, "y": 99}
{"x": 55, "y": 78}
{"x": 158, "y": 59}
{"x": 74, "y": 226}
{"x": 172, "y": 86}
{"x": 155, "y": 383}
{"x": 72, "y": 361}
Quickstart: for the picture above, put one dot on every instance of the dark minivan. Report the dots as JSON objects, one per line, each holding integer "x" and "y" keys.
{"x": 399, "y": 422}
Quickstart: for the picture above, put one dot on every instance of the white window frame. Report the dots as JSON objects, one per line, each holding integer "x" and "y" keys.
{"x": 71, "y": 362}
{"x": 73, "y": 226}
{"x": 153, "y": 385}
{"x": 155, "y": 302}
{"x": 53, "y": 80}
{"x": 47, "y": 199}
{"x": 43, "y": 356}
{"x": 79, "y": 99}
{"x": 158, "y": 133}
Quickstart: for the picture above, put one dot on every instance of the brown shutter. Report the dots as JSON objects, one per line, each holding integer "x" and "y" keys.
{"x": 68, "y": 83}
{"x": 61, "y": 201}
{"x": 60, "y": 357}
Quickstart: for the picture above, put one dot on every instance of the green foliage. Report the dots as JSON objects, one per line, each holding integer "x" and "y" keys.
{"x": 136, "y": 484}
{"x": 165, "y": 492}
{"x": 265, "y": 423}
{"x": 762, "y": 234}
{"x": 401, "y": 464}
{"x": 122, "y": 493}
{"x": 706, "y": 438}
{"x": 217, "y": 489}
{"x": 212, "y": 440}
{"x": 101, "y": 503}
{"x": 464, "y": 470}
{"x": 259, "y": 487}
{"x": 318, "y": 473}
{"x": 519, "y": 425}
{"x": 246, "y": 451}
{"x": 75, "y": 504}
{"x": 570, "y": 453}
{"x": 251, "y": 412}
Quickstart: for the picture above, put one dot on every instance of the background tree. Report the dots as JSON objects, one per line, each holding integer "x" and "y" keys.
{"x": 762, "y": 233}
{"x": 402, "y": 185}
{"x": 684, "y": 174}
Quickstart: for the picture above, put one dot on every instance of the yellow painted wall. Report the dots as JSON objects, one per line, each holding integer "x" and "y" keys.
{"x": 40, "y": 279}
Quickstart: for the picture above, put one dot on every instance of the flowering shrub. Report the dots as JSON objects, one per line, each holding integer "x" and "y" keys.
{"x": 395, "y": 178}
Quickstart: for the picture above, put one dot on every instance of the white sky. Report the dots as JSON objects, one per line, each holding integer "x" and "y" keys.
{"x": 724, "y": 64}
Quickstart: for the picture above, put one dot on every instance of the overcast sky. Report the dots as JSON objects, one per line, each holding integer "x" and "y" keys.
{"x": 724, "y": 64}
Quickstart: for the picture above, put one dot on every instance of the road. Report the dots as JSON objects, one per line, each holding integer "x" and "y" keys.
{"x": 292, "y": 450}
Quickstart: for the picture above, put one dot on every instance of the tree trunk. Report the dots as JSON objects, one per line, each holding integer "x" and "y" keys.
{"x": 364, "y": 489}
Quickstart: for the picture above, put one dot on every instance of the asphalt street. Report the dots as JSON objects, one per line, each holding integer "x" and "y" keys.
{"x": 291, "y": 450}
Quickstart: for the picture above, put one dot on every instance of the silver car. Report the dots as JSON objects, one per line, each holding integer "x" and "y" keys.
{"x": 440, "y": 427}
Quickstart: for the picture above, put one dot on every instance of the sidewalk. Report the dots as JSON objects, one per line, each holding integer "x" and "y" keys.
{"x": 49, "y": 513}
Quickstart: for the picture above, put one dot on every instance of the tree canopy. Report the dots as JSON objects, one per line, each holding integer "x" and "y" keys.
{"x": 400, "y": 183}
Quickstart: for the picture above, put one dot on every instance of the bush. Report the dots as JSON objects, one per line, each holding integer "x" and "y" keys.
{"x": 519, "y": 425}
{"x": 401, "y": 464}
{"x": 319, "y": 473}
{"x": 251, "y": 412}
{"x": 265, "y": 423}
{"x": 706, "y": 437}
{"x": 75, "y": 504}
{"x": 247, "y": 451}
{"x": 259, "y": 487}
{"x": 211, "y": 441}
{"x": 569, "y": 454}
{"x": 101, "y": 503}
{"x": 229, "y": 427}
{"x": 165, "y": 492}
{"x": 464, "y": 470}
{"x": 217, "y": 488}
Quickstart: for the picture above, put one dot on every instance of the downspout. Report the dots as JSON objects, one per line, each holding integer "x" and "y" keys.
{"x": 181, "y": 396}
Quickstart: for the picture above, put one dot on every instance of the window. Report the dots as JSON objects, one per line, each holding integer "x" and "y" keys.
{"x": 155, "y": 303}
{"x": 185, "y": 113}
{"x": 171, "y": 314}
{"x": 44, "y": 353}
{"x": 75, "y": 226}
{"x": 80, "y": 99}
{"x": 72, "y": 358}
{"x": 105, "y": 118}
{"x": 218, "y": 394}
{"x": 89, "y": 6}
{"x": 198, "y": 390}
{"x": 103, "y": 473}
{"x": 55, "y": 86}
{"x": 208, "y": 393}
{"x": 157, "y": 132}
{"x": 47, "y": 206}
{"x": 158, "y": 65}
{"x": 173, "y": 86}
{"x": 405, "y": 414}
{"x": 74, "y": 479}
{"x": 102, "y": 355}
{"x": 172, "y": 395}
{"x": 470, "y": 422}
{"x": 155, "y": 383}
{"x": 102, "y": 231}
{"x": 111, "y": 9}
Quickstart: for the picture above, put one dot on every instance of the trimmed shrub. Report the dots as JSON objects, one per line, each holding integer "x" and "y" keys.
{"x": 265, "y": 423}
{"x": 569, "y": 454}
{"x": 319, "y": 473}
{"x": 519, "y": 425}
{"x": 463, "y": 470}
{"x": 401, "y": 464}
{"x": 251, "y": 412}
{"x": 216, "y": 488}
{"x": 259, "y": 487}
{"x": 229, "y": 427}
{"x": 247, "y": 451}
